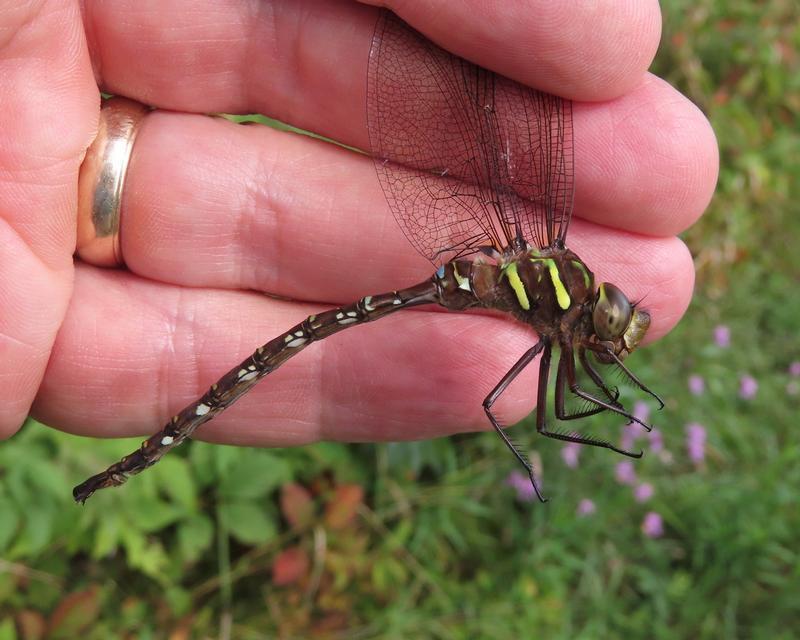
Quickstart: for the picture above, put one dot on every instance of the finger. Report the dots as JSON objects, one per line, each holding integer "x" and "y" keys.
{"x": 49, "y": 104}
{"x": 132, "y": 353}
{"x": 305, "y": 61}
{"x": 646, "y": 162}
{"x": 675, "y": 146}
{"x": 209, "y": 203}
{"x": 584, "y": 51}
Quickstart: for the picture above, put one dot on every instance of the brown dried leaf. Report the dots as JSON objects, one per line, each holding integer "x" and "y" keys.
{"x": 75, "y": 613}
{"x": 290, "y": 566}
{"x": 31, "y": 625}
{"x": 182, "y": 631}
{"x": 342, "y": 507}
{"x": 297, "y": 505}
{"x": 332, "y": 622}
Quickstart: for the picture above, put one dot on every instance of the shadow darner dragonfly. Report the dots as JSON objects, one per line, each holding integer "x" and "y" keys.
{"x": 478, "y": 171}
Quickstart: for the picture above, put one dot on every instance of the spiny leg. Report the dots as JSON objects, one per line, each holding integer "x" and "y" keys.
{"x": 628, "y": 373}
{"x": 641, "y": 385}
{"x": 561, "y": 379}
{"x": 561, "y": 413}
{"x": 572, "y": 380}
{"x": 598, "y": 380}
{"x": 523, "y": 362}
{"x": 613, "y": 396}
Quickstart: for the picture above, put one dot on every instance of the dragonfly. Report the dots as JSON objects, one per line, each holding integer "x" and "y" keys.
{"x": 478, "y": 171}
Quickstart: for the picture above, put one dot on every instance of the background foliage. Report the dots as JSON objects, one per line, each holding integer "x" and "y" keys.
{"x": 429, "y": 539}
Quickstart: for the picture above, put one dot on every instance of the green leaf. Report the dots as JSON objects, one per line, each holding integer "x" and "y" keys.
{"x": 247, "y": 522}
{"x": 36, "y": 531}
{"x": 194, "y": 536}
{"x": 256, "y": 474}
{"x": 201, "y": 461}
{"x": 179, "y": 600}
{"x": 108, "y": 535}
{"x": 9, "y": 521}
{"x": 224, "y": 458}
{"x": 328, "y": 454}
{"x": 7, "y": 631}
{"x": 175, "y": 478}
{"x": 148, "y": 557}
{"x": 148, "y": 514}
{"x": 46, "y": 476}
{"x": 18, "y": 486}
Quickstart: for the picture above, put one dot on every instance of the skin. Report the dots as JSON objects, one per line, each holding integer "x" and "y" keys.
{"x": 215, "y": 213}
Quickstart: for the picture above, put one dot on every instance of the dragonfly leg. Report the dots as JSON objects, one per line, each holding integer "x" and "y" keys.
{"x": 523, "y": 362}
{"x": 612, "y": 395}
{"x": 561, "y": 414}
{"x": 632, "y": 377}
{"x": 628, "y": 373}
{"x": 572, "y": 381}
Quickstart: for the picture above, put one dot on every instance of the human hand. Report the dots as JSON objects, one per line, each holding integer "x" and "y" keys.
{"x": 213, "y": 210}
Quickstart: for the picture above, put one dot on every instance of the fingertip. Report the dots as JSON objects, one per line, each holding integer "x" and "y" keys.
{"x": 668, "y": 268}
{"x": 612, "y": 43}
{"x": 578, "y": 50}
{"x": 646, "y": 162}
{"x": 690, "y": 145}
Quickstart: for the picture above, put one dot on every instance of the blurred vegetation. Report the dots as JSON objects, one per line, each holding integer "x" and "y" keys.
{"x": 427, "y": 540}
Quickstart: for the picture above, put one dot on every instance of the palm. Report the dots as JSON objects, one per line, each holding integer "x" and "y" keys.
{"x": 214, "y": 213}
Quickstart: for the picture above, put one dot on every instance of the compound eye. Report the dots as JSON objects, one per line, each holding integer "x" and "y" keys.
{"x": 612, "y": 312}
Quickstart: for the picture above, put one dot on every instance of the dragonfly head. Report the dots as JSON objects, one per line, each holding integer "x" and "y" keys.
{"x": 618, "y": 324}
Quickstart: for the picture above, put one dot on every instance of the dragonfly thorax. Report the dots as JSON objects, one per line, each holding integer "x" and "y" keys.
{"x": 550, "y": 286}
{"x": 550, "y": 289}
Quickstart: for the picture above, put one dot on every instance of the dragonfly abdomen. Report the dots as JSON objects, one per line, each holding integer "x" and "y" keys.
{"x": 238, "y": 381}
{"x": 463, "y": 284}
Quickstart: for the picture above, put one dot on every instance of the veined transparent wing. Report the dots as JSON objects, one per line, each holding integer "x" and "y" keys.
{"x": 467, "y": 158}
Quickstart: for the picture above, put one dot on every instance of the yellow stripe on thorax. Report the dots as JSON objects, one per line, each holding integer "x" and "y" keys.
{"x": 582, "y": 267}
{"x": 510, "y": 270}
{"x": 562, "y": 297}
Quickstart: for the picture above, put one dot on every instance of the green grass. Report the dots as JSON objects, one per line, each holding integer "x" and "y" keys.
{"x": 439, "y": 546}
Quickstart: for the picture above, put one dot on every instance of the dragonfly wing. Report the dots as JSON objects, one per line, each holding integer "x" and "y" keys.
{"x": 467, "y": 158}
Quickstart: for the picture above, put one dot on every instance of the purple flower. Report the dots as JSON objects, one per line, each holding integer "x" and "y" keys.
{"x": 696, "y": 385}
{"x": 748, "y": 387}
{"x": 794, "y": 369}
{"x": 643, "y": 492}
{"x": 652, "y": 525}
{"x": 696, "y": 442}
{"x": 641, "y": 411}
{"x": 586, "y": 507}
{"x": 656, "y": 440}
{"x": 630, "y": 434}
{"x": 722, "y": 336}
{"x": 570, "y": 453}
{"x": 624, "y": 472}
{"x": 522, "y": 485}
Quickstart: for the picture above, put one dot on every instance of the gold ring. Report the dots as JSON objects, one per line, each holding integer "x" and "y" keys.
{"x": 102, "y": 179}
